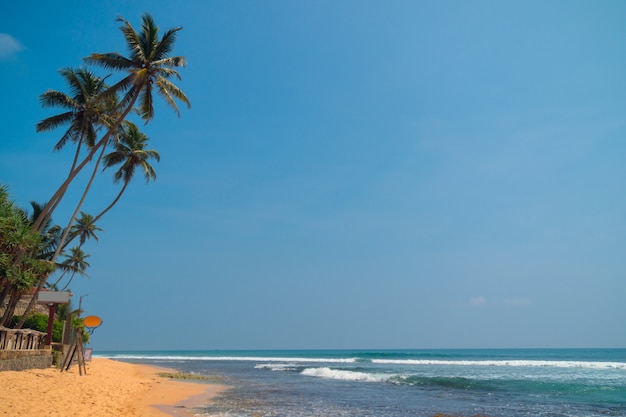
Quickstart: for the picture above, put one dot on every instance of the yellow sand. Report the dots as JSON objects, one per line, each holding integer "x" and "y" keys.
{"x": 109, "y": 388}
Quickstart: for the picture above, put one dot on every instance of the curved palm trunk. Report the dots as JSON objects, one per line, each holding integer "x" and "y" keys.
{"x": 110, "y": 206}
{"x": 64, "y": 241}
{"x": 68, "y": 282}
{"x": 52, "y": 204}
{"x": 60, "y": 279}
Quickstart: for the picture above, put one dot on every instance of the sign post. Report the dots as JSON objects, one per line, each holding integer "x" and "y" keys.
{"x": 51, "y": 298}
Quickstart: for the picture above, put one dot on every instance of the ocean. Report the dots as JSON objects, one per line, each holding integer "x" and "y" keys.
{"x": 400, "y": 383}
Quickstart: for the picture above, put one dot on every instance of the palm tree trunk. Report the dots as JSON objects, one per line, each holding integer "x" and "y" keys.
{"x": 5, "y": 293}
{"x": 63, "y": 243}
{"x": 68, "y": 282}
{"x": 32, "y": 301}
{"x": 60, "y": 278}
{"x": 10, "y": 309}
{"x": 110, "y": 206}
{"x": 52, "y": 204}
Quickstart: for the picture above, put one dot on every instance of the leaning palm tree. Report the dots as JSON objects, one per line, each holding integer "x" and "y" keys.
{"x": 75, "y": 263}
{"x": 85, "y": 228}
{"x": 84, "y": 108}
{"x": 86, "y": 112}
{"x": 131, "y": 154}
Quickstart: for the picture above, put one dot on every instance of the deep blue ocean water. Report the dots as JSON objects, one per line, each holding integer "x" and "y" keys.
{"x": 399, "y": 383}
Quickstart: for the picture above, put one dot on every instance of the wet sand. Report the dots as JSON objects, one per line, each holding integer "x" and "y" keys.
{"x": 109, "y": 388}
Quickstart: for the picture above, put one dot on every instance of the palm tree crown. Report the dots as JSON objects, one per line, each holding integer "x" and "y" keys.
{"x": 131, "y": 153}
{"x": 85, "y": 108}
{"x": 148, "y": 65}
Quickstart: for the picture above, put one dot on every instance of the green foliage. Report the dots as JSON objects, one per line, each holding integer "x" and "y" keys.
{"x": 17, "y": 237}
{"x": 77, "y": 323}
{"x": 39, "y": 322}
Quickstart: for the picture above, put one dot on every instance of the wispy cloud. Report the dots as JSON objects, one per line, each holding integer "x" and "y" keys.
{"x": 478, "y": 301}
{"x": 517, "y": 302}
{"x": 9, "y": 46}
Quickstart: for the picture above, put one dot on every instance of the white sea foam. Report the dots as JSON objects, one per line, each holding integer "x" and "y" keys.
{"x": 512, "y": 363}
{"x": 226, "y": 358}
{"x": 599, "y": 365}
{"x": 277, "y": 366}
{"x": 344, "y": 375}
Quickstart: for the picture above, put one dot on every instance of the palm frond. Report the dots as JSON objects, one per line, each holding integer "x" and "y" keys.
{"x": 148, "y": 171}
{"x": 75, "y": 82}
{"x": 54, "y": 98}
{"x": 52, "y": 122}
{"x": 90, "y": 135}
{"x": 166, "y": 44}
{"x": 68, "y": 135}
{"x": 110, "y": 60}
{"x": 169, "y": 91}
{"x": 132, "y": 40}
{"x": 149, "y": 36}
{"x": 168, "y": 73}
{"x": 146, "y": 105}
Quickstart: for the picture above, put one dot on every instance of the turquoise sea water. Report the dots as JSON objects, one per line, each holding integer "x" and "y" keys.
{"x": 398, "y": 383}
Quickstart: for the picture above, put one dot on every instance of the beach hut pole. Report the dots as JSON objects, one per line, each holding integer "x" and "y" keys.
{"x": 50, "y": 324}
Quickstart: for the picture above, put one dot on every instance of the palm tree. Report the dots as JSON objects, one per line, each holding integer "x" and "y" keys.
{"x": 87, "y": 111}
{"x": 149, "y": 65}
{"x": 131, "y": 154}
{"x": 85, "y": 228}
{"x": 84, "y": 108}
{"x": 75, "y": 263}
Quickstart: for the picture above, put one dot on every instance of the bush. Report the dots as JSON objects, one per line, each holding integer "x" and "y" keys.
{"x": 39, "y": 322}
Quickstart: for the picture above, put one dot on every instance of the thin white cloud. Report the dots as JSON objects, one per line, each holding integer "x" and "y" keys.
{"x": 478, "y": 301}
{"x": 9, "y": 46}
{"x": 517, "y": 301}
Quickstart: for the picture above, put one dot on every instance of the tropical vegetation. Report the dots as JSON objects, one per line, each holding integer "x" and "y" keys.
{"x": 95, "y": 115}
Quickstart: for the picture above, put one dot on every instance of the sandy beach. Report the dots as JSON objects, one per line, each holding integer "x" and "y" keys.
{"x": 109, "y": 388}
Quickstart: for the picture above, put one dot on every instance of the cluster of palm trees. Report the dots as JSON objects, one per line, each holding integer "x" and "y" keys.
{"x": 96, "y": 117}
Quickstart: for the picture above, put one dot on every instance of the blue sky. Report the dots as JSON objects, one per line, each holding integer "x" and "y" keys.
{"x": 353, "y": 174}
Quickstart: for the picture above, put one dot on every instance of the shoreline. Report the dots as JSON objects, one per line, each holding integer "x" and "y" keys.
{"x": 110, "y": 388}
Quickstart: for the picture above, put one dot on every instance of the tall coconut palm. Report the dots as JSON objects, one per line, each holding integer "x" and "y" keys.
{"x": 75, "y": 263}
{"x": 85, "y": 228}
{"x": 85, "y": 108}
{"x": 148, "y": 65}
{"x": 86, "y": 112}
{"x": 132, "y": 154}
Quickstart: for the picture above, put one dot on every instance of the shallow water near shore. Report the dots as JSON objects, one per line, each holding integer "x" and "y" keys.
{"x": 395, "y": 383}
